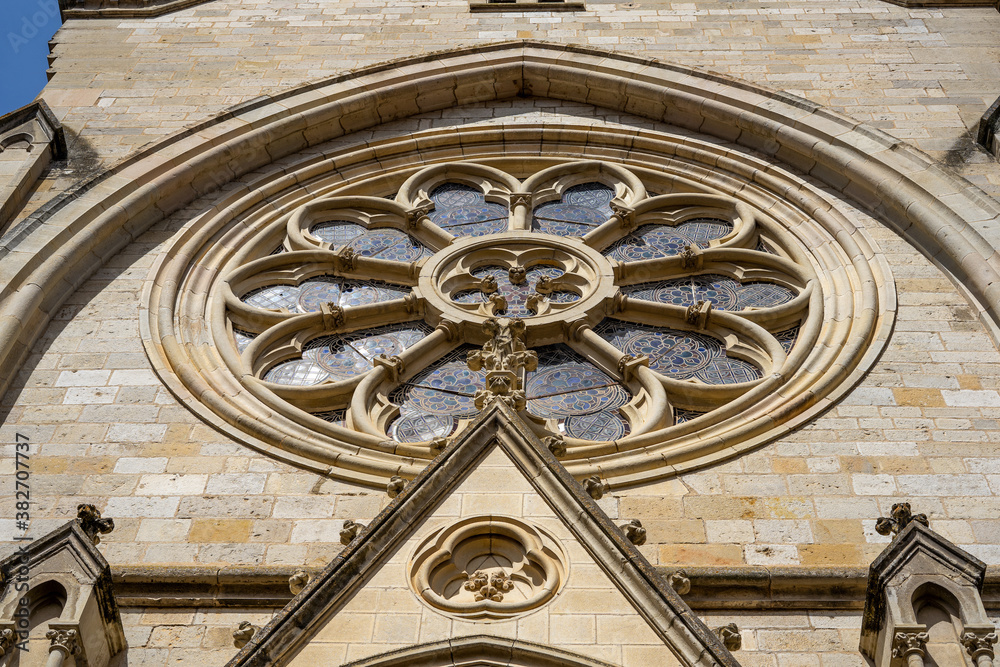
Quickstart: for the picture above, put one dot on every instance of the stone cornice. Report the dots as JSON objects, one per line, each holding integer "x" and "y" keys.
{"x": 748, "y": 587}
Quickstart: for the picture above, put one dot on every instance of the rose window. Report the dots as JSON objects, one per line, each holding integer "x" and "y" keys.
{"x": 366, "y": 328}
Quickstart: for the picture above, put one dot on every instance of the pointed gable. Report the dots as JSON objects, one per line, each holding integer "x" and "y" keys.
{"x": 496, "y": 469}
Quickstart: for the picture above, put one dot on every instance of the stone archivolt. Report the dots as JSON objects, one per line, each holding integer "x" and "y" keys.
{"x": 488, "y": 567}
{"x": 787, "y": 309}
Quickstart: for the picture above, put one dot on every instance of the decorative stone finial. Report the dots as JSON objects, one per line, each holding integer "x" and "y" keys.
{"x": 730, "y": 636}
{"x": 698, "y": 314}
{"x": 415, "y": 215}
{"x": 350, "y": 531}
{"x": 518, "y": 275}
{"x": 243, "y": 633}
{"x": 595, "y": 487}
{"x": 7, "y": 638}
{"x": 980, "y": 646}
{"x": 691, "y": 257}
{"x": 488, "y": 284}
{"x": 900, "y": 518}
{"x": 555, "y": 444}
{"x": 905, "y": 644}
{"x": 92, "y": 523}
{"x": 347, "y": 259}
{"x": 391, "y": 363}
{"x": 498, "y": 303}
{"x": 680, "y": 582}
{"x": 395, "y": 486}
{"x": 506, "y": 360}
{"x": 333, "y": 315}
{"x": 65, "y": 641}
{"x": 634, "y": 531}
{"x": 624, "y": 213}
{"x": 438, "y": 445}
{"x": 298, "y": 581}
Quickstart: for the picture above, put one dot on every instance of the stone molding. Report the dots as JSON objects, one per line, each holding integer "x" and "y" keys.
{"x": 498, "y": 427}
{"x": 49, "y": 254}
{"x": 31, "y": 136}
{"x": 122, "y": 9}
{"x": 481, "y": 650}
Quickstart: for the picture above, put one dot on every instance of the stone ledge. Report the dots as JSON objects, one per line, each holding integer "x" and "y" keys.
{"x": 751, "y": 588}
{"x": 526, "y": 7}
{"x": 989, "y": 128}
{"x": 123, "y": 9}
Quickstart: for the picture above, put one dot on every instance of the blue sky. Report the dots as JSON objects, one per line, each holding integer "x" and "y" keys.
{"x": 26, "y": 27}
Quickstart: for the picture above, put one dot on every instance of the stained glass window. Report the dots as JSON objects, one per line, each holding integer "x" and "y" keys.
{"x": 582, "y": 208}
{"x": 546, "y": 283}
{"x": 390, "y": 244}
{"x": 722, "y": 292}
{"x": 652, "y": 241}
{"x": 342, "y": 356}
{"x": 314, "y": 292}
{"x": 464, "y": 211}
{"x": 432, "y": 402}
{"x": 679, "y": 354}
{"x": 582, "y": 398}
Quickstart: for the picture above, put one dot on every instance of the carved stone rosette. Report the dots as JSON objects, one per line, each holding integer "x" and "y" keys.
{"x": 488, "y": 567}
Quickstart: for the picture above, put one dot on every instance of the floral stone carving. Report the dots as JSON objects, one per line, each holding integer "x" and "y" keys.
{"x": 488, "y": 567}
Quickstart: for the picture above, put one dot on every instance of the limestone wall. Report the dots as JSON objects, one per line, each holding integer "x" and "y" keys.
{"x": 922, "y": 426}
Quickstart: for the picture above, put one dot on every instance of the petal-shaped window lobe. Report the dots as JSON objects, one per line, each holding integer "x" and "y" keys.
{"x": 787, "y": 338}
{"x": 463, "y": 211}
{"x": 681, "y": 355}
{"x": 516, "y": 294}
{"x": 655, "y": 240}
{"x": 432, "y": 402}
{"x": 722, "y": 292}
{"x": 386, "y": 243}
{"x": 343, "y": 356}
{"x": 579, "y": 396}
{"x": 310, "y": 296}
{"x": 582, "y": 208}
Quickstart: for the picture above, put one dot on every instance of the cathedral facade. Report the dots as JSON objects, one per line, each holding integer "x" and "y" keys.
{"x": 503, "y": 333}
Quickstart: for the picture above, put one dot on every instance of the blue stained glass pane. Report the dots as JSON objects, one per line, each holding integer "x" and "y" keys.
{"x": 243, "y": 339}
{"x": 390, "y": 244}
{"x": 581, "y": 208}
{"x": 657, "y": 240}
{"x": 464, "y": 211}
{"x": 722, "y": 292}
{"x": 310, "y": 296}
{"x": 431, "y": 403}
{"x": 679, "y": 354}
{"x": 604, "y": 425}
{"x": 787, "y": 338}
{"x": 581, "y": 397}
{"x": 681, "y": 416}
{"x": 298, "y": 372}
{"x": 273, "y": 297}
{"x": 336, "y": 417}
{"x": 343, "y": 356}
{"x": 337, "y": 233}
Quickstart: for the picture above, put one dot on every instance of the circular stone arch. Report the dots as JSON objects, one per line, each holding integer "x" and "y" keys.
{"x": 47, "y": 256}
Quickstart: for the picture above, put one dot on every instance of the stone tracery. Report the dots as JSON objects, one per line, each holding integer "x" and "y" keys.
{"x": 668, "y": 310}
